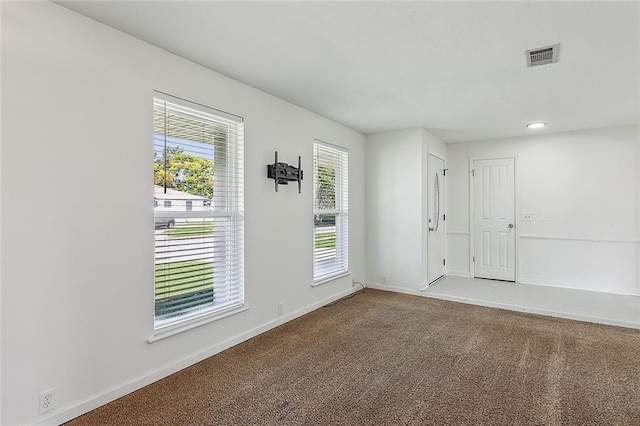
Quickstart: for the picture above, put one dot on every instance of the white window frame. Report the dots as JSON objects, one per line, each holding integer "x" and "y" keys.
{"x": 328, "y": 267}
{"x": 227, "y": 215}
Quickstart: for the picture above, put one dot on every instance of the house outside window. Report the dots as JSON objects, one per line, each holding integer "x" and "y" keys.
{"x": 199, "y": 232}
{"x": 330, "y": 212}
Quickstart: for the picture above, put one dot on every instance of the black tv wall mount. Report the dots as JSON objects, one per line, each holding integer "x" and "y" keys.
{"x": 283, "y": 173}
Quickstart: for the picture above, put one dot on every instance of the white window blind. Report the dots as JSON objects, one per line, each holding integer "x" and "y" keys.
{"x": 331, "y": 211}
{"x": 198, "y": 211}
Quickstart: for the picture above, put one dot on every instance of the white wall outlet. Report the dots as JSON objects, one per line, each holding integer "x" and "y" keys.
{"x": 527, "y": 217}
{"x": 279, "y": 308}
{"x": 46, "y": 400}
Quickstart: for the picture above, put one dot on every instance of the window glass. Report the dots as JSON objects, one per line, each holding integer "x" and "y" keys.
{"x": 331, "y": 212}
{"x": 198, "y": 175}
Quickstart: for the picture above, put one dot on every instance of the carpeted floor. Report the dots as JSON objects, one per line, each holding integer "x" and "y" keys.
{"x": 381, "y": 358}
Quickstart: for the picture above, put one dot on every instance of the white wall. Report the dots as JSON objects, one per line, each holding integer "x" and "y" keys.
{"x": 1, "y": 273}
{"x": 396, "y": 208}
{"x": 583, "y": 190}
{"x": 638, "y": 216}
{"x": 77, "y": 277}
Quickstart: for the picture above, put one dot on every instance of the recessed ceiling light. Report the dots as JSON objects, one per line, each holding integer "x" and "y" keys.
{"x": 538, "y": 125}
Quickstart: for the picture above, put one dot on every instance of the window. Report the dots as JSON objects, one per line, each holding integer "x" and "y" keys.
{"x": 330, "y": 212}
{"x": 199, "y": 253}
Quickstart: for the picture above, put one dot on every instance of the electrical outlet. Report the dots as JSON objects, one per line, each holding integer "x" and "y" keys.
{"x": 46, "y": 400}
{"x": 527, "y": 217}
{"x": 279, "y": 308}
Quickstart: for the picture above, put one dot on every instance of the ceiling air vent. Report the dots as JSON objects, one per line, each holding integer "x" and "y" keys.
{"x": 542, "y": 55}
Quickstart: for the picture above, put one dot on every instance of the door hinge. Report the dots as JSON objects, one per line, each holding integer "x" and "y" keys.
{"x": 444, "y": 217}
{"x": 473, "y": 173}
{"x": 444, "y": 172}
{"x": 473, "y": 259}
{"x": 444, "y": 261}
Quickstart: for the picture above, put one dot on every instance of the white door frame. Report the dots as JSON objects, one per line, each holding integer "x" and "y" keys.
{"x": 516, "y": 219}
{"x": 444, "y": 207}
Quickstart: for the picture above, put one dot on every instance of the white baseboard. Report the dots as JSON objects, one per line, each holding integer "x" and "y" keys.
{"x": 546, "y": 312}
{"x": 569, "y": 285}
{"x": 465, "y": 274}
{"x": 395, "y": 289}
{"x": 94, "y": 401}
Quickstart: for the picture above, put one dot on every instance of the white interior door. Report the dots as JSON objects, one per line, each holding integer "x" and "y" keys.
{"x": 435, "y": 207}
{"x": 494, "y": 215}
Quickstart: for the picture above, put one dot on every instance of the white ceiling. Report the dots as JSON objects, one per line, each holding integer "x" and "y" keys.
{"x": 457, "y": 69}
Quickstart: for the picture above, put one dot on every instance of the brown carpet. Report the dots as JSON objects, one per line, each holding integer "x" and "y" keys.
{"x": 381, "y": 358}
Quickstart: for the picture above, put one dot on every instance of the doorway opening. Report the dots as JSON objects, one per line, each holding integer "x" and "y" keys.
{"x": 435, "y": 220}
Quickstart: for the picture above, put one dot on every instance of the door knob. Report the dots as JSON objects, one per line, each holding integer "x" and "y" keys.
{"x": 510, "y": 225}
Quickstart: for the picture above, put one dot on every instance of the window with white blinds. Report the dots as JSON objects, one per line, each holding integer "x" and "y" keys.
{"x": 330, "y": 211}
{"x": 198, "y": 211}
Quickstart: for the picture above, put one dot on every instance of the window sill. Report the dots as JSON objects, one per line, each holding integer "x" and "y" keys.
{"x": 188, "y": 324}
{"x": 328, "y": 278}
